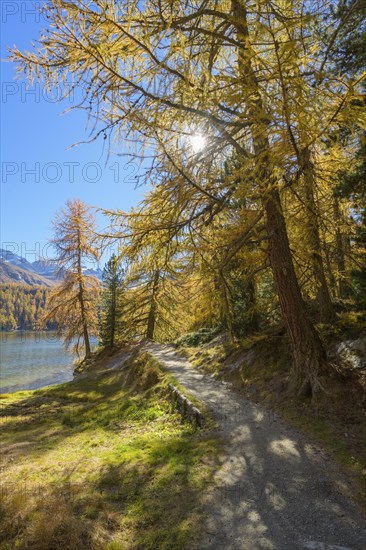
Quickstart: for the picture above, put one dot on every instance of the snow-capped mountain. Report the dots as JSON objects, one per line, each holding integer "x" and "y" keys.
{"x": 13, "y": 259}
{"x": 94, "y": 273}
{"x": 16, "y": 269}
{"x": 46, "y": 269}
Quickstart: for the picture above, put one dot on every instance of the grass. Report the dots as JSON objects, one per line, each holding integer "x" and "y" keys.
{"x": 259, "y": 367}
{"x": 209, "y": 422}
{"x": 102, "y": 463}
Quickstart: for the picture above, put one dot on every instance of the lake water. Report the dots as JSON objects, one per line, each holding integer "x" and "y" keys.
{"x": 30, "y": 360}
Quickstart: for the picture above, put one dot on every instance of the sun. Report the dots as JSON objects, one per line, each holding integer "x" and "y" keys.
{"x": 198, "y": 142}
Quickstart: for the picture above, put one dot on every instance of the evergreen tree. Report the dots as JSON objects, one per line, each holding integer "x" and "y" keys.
{"x": 112, "y": 306}
{"x": 353, "y": 186}
{"x": 350, "y": 56}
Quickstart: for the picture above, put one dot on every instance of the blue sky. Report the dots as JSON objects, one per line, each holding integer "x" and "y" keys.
{"x": 39, "y": 173}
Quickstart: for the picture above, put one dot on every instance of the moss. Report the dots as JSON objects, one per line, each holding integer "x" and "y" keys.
{"x": 102, "y": 463}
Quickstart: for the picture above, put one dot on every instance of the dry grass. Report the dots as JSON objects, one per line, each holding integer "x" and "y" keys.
{"x": 103, "y": 464}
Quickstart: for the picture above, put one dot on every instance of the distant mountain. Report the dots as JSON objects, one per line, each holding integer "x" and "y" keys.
{"x": 47, "y": 269}
{"x": 94, "y": 273}
{"x": 17, "y": 261}
{"x": 15, "y": 269}
{"x": 14, "y": 274}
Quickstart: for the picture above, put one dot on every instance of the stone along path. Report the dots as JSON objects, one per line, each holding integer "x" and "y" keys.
{"x": 273, "y": 489}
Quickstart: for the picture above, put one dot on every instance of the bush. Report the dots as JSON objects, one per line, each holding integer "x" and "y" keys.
{"x": 201, "y": 336}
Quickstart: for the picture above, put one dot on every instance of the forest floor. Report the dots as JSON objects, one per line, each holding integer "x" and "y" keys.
{"x": 274, "y": 487}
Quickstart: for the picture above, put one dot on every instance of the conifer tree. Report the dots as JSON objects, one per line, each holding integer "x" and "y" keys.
{"x": 73, "y": 303}
{"x": 350, "y": 56}
{"x": 254, "y": 80}
{"x": 151, "y": 296}
{"x": 112, "y": 306}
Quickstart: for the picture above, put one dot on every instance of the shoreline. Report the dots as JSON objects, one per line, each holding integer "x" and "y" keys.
{"x": 33, "y": 360}
{"x": 36, "y": 385}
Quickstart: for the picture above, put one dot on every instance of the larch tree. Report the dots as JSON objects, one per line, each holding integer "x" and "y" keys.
{"x": 162, "y": 71}
{"x": 73, "y": 304}
{"x": 152, "y": 290}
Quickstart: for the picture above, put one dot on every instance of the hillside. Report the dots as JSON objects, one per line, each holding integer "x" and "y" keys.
{"x": 14, "y": 274}
{"x": 22, "y": 306}
{"x": 17, "y": 269}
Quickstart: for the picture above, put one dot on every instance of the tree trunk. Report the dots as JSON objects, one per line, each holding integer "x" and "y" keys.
{"x": 331, "y": 277}
{"x": 340, "y": 257}
{"x": 226, "y": 314}
{"x": 307, "y": 349}
{"x": 86, "y": 339}
{"x": 152, "y": 312}
{"x": 83, "y": 319}
{"x": 113, "y": 313}
{"x": 326, "y": 309}
{"x": 82, "y": 301}
{"x": 254, "y": 321}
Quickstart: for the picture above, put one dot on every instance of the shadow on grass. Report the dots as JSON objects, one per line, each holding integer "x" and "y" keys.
{"x": 148, "y": 498}
{"x": 100, "y": 463}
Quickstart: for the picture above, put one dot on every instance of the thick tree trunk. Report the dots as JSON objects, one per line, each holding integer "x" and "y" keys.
{"x": 307, "y": 349}
{"x": 151, "y": 320}
{"x": 326, "y": 309}
{"x": 86, "y": 340}
{"x": 83, "y": 317}
{"x": 83, "y": 320}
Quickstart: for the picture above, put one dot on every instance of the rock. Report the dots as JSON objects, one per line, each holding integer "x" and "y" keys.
{"x": 353, "y": 353}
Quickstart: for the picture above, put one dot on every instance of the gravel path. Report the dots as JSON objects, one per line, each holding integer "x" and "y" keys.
{"x": 273, "y": 489}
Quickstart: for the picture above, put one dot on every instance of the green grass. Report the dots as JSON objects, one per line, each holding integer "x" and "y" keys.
{"x": 102, "y": 463}
{"x": 169, "y": 378}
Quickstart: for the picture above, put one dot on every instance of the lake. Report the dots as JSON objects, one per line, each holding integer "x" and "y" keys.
{"x": 31, "y": 360}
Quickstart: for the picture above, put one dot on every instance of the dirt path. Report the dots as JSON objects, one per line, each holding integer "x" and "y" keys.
{"x": 273, "y": 489}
